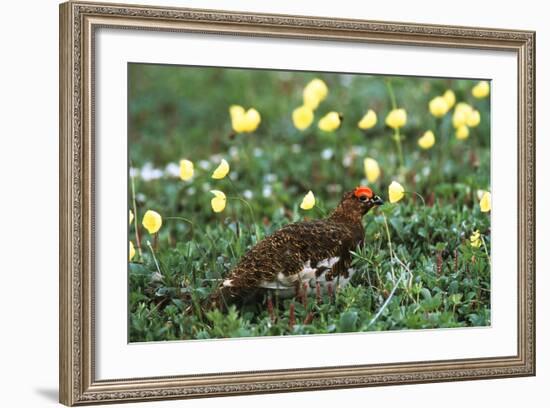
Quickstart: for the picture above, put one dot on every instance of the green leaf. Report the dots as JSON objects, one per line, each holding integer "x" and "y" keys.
{"x": 348, "y": 321}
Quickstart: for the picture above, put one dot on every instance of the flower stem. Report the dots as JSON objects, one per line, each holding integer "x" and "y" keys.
{"x": 396, "y": 135}
{"x": 191, "y": 223}
{"x": 418, "y": 195}
{"x": 390, "y": 296}
{"x": 154, "y": 257}
{"x": 391, "y": 93}
{"x": 138, "y": 240}
{"x": 397, "y": 138}
{"x": 389, "y": 246}
{"x": 252, "y": 216}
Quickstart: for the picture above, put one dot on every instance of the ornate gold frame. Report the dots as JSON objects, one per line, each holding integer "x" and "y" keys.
{"x": 78, "y": 22}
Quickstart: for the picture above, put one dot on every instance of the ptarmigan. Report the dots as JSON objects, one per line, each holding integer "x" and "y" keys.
{"x": 301, "y": 253}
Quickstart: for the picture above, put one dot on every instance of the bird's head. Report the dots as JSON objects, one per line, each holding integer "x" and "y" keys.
{"x": 356, "y": 203}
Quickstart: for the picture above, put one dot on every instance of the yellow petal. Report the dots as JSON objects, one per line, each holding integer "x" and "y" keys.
{"x": 463, "y": 107}
{"x": 238, "y": 121}
{"x": 368, "y": 121}
{"x": 481, "y": 90}
{"x": 252, "y": 120}
{"x": 427, "y": 140}
{"x": 396, "y": 118}
{"x": 396, "y": 192}
{"x": 330, "y": 122}
{"x": 314, "y": 93}
{"x": 219, "y": 201}
{"x": 485, "y": 202}
{"x": 236, "y": 111}
{"x": 450, "y": 98}
{"x": 438, "y": 106}
{"x": 308, "y": 202}
{"x": 131, "y": 216}
{"x": 152, "y": 221}
{"x": 461, "y": 113}
{"x": 462, "y": 132}
{"x": 186, "y": 169}
{"x": 221, "y": 171}
{"x": 372, "y": 169}
{"x": 302, "y": 117}
{"x": 473, "y": 119}
{"x": 131, "y": 251}
{"x": 459, "y": 119}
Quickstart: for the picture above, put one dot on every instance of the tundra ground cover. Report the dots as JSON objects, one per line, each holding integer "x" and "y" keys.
{"x": 223, "y": 157}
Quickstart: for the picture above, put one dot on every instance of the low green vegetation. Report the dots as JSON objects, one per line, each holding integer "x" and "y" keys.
{"x": 423, "y": 265}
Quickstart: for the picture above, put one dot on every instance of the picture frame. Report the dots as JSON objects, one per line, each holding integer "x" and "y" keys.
{"x": 79, "y": 24}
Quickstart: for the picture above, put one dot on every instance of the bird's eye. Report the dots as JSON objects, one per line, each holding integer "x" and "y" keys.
{"x": 363, "y": 198}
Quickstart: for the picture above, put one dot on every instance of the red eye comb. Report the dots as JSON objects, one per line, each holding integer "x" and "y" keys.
{"x": 359, "y": 191}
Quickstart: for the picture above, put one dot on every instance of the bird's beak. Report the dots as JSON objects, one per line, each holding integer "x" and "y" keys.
{"x": 377, "y": 200}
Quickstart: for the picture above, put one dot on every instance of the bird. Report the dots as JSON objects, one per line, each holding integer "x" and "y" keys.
{"x": 301, "y": 254}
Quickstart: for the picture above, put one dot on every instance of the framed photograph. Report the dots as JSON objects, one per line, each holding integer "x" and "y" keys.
{"x": 256, "y": 203}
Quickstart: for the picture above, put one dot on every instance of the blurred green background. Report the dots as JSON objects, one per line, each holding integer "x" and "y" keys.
{"x": 180, "y": 112}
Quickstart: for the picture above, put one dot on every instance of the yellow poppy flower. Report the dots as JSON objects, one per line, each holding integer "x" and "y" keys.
{"x": 438, "y": 106}
{"x": 244, "y": 121}
{"x": 330, "y": 122}
{"x": 485, "y": 202}
{"x": 473, "y": 119}
{"x": 132, "y": 251}
{"x": 462, "y": 132}
{"x": 461, "y": 113}
{"x": 219, "y": 201}
{"x": 481, "y": 90}
{"x": 475, "y": 239}
{"x": 131, "y": 216}
{"x": 396, "y": 192}
{"x": 186, "y": 169}
{"x": 427, "y": 140}
{"x": 450, "y": 98}
{"x": 314, "y": 93}
{"x": 396, "y": 118}
{"x": 221, "y": 171}
{"x": 308, "y": 202}
{"x": 302, "y": 117}
{"x": 372, "y": 169}
{"x": 368, "y": 121}
{"x": 152, "y": 221}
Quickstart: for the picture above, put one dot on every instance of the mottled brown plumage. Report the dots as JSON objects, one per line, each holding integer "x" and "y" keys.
{"x": 302, "y": 252}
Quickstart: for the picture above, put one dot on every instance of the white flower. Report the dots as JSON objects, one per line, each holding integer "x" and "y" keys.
{"x": 248, "y": 194}
{"x": 205, "y": 164}
{"x": 267, "y": 191}
{"x": 327, "y": 153}
{"x": 172, "y": 170}
{"x": 148, "y": 172}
